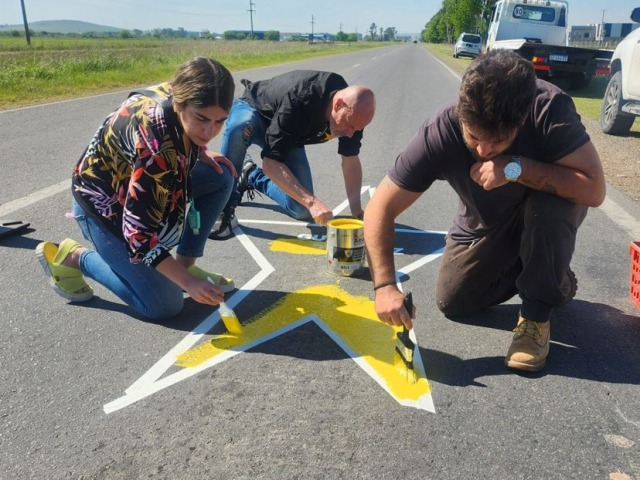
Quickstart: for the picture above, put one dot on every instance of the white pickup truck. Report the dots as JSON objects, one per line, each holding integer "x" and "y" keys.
{"x": 621, "y": 102}
{"x": 537, "y": 30}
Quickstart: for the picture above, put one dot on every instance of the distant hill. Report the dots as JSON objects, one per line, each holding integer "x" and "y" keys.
{"x": 62, "y": 26}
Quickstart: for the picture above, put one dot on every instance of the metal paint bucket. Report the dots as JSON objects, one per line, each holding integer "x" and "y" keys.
{"x": 345, "y": 247}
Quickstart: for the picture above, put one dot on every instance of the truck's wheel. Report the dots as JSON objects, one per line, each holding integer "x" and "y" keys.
{"x": 612, "y": 119}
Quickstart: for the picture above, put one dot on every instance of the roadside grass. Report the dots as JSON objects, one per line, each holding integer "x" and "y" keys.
{"x": 588, "y": 100}
{"x": 59, "y": 68}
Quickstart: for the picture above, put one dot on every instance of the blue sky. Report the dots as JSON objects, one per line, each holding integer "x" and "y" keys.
{"x": 407, "y": 16}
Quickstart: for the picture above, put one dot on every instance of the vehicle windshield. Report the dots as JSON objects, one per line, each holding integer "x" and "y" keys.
{"x": 535, "y": 13}
{"x": 471, "y": 38}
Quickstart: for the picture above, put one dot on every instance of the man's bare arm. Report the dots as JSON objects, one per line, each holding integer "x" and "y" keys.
{"x": 282, "y": 176}
{"x": 389, "y": 201}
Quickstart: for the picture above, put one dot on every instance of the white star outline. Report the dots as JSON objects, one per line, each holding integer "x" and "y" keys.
{"x": 153, "y": 380}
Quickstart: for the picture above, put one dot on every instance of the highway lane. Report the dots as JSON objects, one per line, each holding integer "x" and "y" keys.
{"x": 297, "y": 405}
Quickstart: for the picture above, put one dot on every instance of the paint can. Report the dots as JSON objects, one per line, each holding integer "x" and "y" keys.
{"x": 345, "y": 247}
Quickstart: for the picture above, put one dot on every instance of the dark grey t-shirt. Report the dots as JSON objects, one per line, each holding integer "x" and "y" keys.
{"x": 437, "y": 152}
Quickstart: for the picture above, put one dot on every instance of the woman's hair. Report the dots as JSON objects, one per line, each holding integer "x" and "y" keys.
{"x": 497, "y": 92}
{"x": 203, "y": 82}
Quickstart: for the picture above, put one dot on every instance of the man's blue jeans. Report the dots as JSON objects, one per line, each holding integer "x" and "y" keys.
{"x": 245, "y": 127}
{"x": 143, "y": 288}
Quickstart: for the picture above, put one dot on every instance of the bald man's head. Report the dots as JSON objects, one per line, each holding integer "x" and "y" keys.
{"x": 352, "y": 109}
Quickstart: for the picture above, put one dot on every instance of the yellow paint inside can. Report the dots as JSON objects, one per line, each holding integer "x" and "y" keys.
{"x": 346, "y": 223}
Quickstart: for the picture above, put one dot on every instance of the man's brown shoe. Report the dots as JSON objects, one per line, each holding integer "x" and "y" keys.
{"x": 530, "y": 346}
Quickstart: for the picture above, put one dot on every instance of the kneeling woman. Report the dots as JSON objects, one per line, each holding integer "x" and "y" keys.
{"x": 145, "y": 184}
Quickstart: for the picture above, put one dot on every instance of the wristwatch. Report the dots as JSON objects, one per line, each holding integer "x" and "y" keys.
{"x": 513, "y": 169}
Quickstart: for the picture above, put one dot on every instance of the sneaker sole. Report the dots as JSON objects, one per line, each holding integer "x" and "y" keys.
{"x": 217, "y": 236}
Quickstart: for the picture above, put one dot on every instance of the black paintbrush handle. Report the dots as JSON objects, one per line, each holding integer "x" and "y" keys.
{"x": 408, "y": 303}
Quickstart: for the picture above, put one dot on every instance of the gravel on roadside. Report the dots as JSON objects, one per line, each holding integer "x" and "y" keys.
{"x": 620, "y": 158}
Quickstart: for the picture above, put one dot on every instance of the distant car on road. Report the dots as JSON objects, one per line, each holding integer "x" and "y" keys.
{"x": 467, "y": 45}
{"x": 621, "y": 102}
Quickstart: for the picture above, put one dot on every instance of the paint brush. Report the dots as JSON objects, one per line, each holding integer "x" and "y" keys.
{"x": 229, "y": 317}
{"x": 405, "y": 346}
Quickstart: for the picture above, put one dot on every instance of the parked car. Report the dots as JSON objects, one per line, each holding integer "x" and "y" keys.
{"x": 621, "y": 102}
{"x": 467, "y": 45}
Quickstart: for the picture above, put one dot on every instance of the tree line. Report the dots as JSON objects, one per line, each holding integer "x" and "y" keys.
{"x": 457, "y": 16}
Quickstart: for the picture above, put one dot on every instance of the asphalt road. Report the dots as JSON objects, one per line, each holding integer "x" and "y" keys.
{"x": 90, "y": 391}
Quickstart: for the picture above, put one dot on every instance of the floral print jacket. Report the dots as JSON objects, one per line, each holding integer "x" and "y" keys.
{"x": 134, "y": 175}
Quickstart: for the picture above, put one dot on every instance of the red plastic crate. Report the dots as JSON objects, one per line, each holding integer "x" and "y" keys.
{"x": 634, "y": 293}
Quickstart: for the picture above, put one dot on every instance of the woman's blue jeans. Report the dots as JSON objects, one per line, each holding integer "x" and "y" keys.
{"x": 245, "y": 127}
{"x": 141, "y": 287}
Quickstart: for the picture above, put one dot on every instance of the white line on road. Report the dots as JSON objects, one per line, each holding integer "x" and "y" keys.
{"x": 621, "y": 218}
{"x": 35, "y": 197}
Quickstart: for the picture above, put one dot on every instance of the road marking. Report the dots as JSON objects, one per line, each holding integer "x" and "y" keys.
{"x": 620, "y": 217}
{"x": 349, "y": 320}
{"x": 155, "y": 380}
{"x": 35, "y": 197}
{"x": 148, "y": 380}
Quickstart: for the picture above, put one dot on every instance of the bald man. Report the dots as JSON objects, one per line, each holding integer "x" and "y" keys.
{"x": 282, "y": 115}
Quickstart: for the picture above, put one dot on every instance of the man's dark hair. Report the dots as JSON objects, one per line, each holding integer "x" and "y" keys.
{"x": 497, "y": 92}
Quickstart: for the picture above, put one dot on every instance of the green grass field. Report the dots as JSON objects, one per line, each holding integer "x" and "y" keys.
{"x": 60, "y": 68}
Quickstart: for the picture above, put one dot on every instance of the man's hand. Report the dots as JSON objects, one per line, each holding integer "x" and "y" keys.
{"x": 320, "y": 212}
{"x": 490, "y": 173}
{"x": 390, "y": 307}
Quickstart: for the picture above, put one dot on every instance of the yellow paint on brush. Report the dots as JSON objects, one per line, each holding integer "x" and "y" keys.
{"x": 351, "y": 318}
{"x": 298, "y": 246}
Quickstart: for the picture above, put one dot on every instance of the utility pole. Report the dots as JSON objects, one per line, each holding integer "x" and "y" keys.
{"x": 312, "y": 22}
{"x": 601, "y": 32}
{"x": 26, "y": 24}
{"x": 251, "y": 10}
